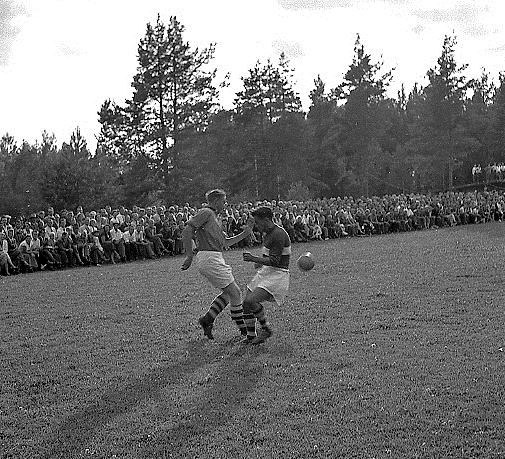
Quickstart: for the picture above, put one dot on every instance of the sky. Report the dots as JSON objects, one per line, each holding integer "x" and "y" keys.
{"x": 60, "y": 59}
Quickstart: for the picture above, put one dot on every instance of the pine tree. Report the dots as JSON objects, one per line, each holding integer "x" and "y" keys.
{"x": 173, "y": 91}
{"x": 445, "y": 97}
{"x": 363, "y": 88}
{"x": 268, "y": 95}
{"x": 497, "y": 133}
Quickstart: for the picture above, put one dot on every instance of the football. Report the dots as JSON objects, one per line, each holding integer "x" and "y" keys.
{"x": 305, "y": 261}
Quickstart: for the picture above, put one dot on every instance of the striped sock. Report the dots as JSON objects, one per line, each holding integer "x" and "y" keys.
{"x": 250, "y": 322}
{"x": 216, "y": 307}
{"x": 238, "y": 317}
{"x": 260, "y": 315}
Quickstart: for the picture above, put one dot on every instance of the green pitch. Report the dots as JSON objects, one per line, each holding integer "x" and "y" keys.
{"x": 392, "y": 346}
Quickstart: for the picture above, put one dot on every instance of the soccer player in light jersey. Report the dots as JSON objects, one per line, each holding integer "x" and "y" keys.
{"x": 205, "y": 228}
{"x": 271, "y": 282}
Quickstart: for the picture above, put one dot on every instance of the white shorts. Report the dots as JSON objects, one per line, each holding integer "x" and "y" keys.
{"x": 212, "y": 266}
{"x": 274, "y": 280}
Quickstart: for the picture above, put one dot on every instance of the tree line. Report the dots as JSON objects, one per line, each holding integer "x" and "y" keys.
{"x": 170, "y": 140}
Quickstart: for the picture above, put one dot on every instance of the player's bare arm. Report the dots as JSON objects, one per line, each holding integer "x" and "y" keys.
{"x": 271, "y": 260}
{"x": 188, "y": 234}
{"x": 229, "y": 241}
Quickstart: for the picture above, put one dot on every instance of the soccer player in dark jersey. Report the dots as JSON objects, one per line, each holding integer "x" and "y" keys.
{"x": 271, "y": 282}
{"x": 205, "y": 228}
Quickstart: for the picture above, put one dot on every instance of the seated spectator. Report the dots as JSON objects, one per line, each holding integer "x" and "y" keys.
{"x": 76, "y": 250}
{"x": 36, "y": 247}
{"x": 25, "y": 249}
{"x": 48, "y": 228}
{"x": 130, "y": 238}
{"x": 167, "y": 235}
{"x": 82, "y": 245}
{"x": 288, "y": 226}
{"x": 498, "y": 212}
{"x": 107, "y": 245}
{"x": 301, "y": 232}
{"x": 6, "y": 264}
{"x": 96, "y": 252}
{"x": 13, "y": 251}
{"x": 65, "y": 251}
{"x": 117, "y": 239}
{"x": 145, "y": 248}
{"x": 49, "y": 252}
{"x": 151, "y": 235}
{"x": 4, "y": 226}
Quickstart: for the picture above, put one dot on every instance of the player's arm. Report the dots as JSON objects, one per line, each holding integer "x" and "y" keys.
{"x": 229, "y": 241}
{"x": 273, "y": 259}
{"x": 188, "y": 234}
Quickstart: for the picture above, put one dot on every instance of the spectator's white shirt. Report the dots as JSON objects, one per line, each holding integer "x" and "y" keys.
{"x": 5, "y": 246}
{"x": 140, "y": 236}
{"x": 48, "y": 230}
{"x": 96, "y": 242}
{"x": 35, "y": 245}
{"x": 130, "y": 237}
{"x": 23, "y": 245}
{"x": 60, "y": 231}
{"x": 116, "y": 235}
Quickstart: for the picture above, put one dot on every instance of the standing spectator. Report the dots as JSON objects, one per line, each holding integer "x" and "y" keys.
{"x": 178, "y": 242}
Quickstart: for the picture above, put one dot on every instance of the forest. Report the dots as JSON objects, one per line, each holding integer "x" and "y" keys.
{"x": 171, "y": 140}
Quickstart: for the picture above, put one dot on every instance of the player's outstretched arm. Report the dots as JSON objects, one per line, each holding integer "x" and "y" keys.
{"x": 229, "y": 241}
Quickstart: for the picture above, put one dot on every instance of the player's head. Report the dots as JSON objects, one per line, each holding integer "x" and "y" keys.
{"x": 216, "y": 199}
{"x": 263, "y": 217}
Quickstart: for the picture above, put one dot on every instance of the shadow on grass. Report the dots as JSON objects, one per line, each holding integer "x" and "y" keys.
{"x": 75, "y": 431}
{"x": 225, "y": 394}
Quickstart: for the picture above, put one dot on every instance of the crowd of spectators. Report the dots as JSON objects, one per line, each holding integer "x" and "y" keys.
{"x": 50, "y": 240}
{"x": 490, "y": 173}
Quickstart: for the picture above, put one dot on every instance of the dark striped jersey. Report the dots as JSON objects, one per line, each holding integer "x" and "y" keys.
{"x": 277, "y": 246}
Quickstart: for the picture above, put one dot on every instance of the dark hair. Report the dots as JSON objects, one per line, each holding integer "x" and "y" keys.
{"x": 214, "y": 194}
{"x": 263, "y": 212}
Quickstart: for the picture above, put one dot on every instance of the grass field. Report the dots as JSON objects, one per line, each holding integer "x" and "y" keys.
{"x": 392, "y": 347}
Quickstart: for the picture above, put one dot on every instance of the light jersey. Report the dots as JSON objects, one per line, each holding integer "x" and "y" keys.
{"x": 209, "y": 233}
{"x": 277, "y": 246}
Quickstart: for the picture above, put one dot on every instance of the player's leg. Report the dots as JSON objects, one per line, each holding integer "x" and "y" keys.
{"x": 254, "y": 310}
{"x": 214, "y": 268}
{"x": 236, "y": 308}
{"x": 217, "y": 306}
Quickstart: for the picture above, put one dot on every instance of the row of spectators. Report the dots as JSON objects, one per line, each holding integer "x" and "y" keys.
{"x": 490, "y": 173}
{"x": 48, "y": 240}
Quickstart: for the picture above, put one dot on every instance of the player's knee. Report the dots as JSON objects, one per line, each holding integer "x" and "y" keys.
{"x": 233, "y": 292}
{"x": 248, "y": 306}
